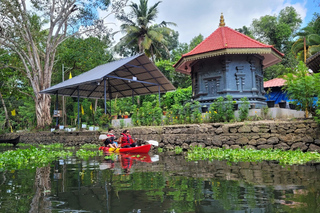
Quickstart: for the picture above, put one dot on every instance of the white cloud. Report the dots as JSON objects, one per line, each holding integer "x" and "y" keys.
{"x": 195, "y": 17}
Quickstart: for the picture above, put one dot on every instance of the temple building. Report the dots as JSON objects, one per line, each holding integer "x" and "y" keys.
{"x": 228, "y": 63}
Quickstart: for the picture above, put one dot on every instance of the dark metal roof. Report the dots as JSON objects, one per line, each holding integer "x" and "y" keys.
{"x": 120, "y": 81}
{"x": 313, "y": 62}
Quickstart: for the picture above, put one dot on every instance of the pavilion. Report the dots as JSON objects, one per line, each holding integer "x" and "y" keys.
{"x": 228, "y": 63}
{"x": 128, "y": 77}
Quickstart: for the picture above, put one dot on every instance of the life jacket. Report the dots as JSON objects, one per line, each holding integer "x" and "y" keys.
{"x": 126, "y": 140}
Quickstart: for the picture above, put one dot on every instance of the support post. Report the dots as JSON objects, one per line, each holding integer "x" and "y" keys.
{"x": 78, "y": 108}
{"x": 105, "y": 96}
{"x": 159, "y": 96}
{"x": 132, "y": 97}
{"x": 63, "y": 106}
{"x": 57, "y": 108}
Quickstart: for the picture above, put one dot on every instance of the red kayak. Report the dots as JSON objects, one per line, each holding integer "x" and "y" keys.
{"x": 138, "y": 149}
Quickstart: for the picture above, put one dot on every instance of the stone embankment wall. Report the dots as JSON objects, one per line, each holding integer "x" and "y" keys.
{"x": 294, "y": 134}
{"x": 297, "y": 134}
{"x": 68, "y": 138}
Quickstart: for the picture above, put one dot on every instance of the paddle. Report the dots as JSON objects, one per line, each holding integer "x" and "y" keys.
{"x": 153, "y": 142}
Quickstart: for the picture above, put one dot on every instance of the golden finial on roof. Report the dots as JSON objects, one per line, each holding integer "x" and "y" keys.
{"x": 222, "y": 24}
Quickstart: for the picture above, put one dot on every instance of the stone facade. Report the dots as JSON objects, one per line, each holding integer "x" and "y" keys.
{"x": 236, "y": 75}
{"x": 287, "y": 135}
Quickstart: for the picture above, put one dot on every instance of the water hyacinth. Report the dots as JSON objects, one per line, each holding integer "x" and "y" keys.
{"x": 30, "y": 158}
{"x": 250, "y": 155}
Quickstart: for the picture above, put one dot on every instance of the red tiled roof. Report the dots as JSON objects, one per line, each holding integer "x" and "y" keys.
{"x": 276, "y": 82}
{"x": 224, "y": 38}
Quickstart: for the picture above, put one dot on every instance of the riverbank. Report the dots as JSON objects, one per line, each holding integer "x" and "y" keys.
{"x": 287, "y": 135}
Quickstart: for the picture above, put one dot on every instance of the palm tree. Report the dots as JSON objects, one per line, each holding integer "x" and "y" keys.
{"x": 311, "y": 34}
{"x": 141, "y": 33}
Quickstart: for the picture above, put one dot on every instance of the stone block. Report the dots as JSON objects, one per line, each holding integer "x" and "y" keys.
{"x": 282, "y": 146}
{"x": 314, "y": 148}
{"x": 244, "y": 129}
{"x": 255, "y": 129}
{"x": 300, "y": 131}
{"x": 265, "y": 146}
{"x": 233, "y": 129}
{"x": 242, "y": 141}
{"x": 317, "y": 141}
{"x": 219, "y": 131}
{"x": 261, "y": 141}
{"x": 235, "y": 147}
{"x": 307, "y": 139}
{"x": 250, "y": 147}
{"x": 299, "y": 145}
{"x": 253, "y": 142}
{"x": 272, "y": 140}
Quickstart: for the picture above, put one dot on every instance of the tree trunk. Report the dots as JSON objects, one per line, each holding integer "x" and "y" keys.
{"x": 5, "y": 111}
{"x": 43, "y": 110}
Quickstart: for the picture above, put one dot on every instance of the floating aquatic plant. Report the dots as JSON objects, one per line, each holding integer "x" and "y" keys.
{"x": 249, "y": 155}
{"x": 89, "y": 146}
{"x": 86, "y": 154}
{"x": 30, "y": 158}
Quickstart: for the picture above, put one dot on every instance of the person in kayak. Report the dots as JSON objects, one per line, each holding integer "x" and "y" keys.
{"x": 126, "y": 140}
{"x": 111, "y": 140}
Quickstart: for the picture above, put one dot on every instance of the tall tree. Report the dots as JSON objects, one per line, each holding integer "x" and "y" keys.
{"x": 311, "y": 36}
{"x": 22, "y": 32}
{"x": 277, "y": 30}
{"x": 142, "y": 34}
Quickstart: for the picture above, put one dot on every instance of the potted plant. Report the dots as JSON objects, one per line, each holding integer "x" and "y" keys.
{"x": 235, "y": 105}
{"x": 126, "y": 114}
{"x": 282, "y": 104}
{"x": 270, "y": 103}
{"x": 204, "y": 109}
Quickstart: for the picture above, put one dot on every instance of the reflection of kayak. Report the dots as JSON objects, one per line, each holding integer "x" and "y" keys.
{"x": 138, "y": 149}
{"x": 139, "y": 157}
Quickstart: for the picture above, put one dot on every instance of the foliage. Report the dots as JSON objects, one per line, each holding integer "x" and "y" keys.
{"x": 311, "y": 34}
{"x": 250, "y": 155}
{"x": 181, "y": 114}
{"x": 303, "y": 87}
{"x": 78, "y": 55}
{"x": 221, "y": 110}
{"x": 29, "y": 158}
{"x": 122, "y": 124}
{"x": 86, "y": 154}
{"x": 141, "y": 33}
{"x": 178, "y": 150}
{"x": 244, "y": 109}
{"x": 23, "y": 34}
{"x": 179, "y": 97}
{"x": 245, "y": 30}
{"x": 277, "y": 30}
{"x": 89, "y": 146}
{"x": 178, "y": 79}
{"x": 148, "y": 114}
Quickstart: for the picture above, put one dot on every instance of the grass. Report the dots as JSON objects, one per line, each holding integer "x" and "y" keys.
{"x": 250, "y": 155}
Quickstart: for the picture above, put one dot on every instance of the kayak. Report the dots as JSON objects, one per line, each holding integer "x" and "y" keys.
{"x": 138, "y": 149}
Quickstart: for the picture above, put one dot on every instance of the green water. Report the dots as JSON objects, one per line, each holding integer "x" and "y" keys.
{"x": 160, "y": 183}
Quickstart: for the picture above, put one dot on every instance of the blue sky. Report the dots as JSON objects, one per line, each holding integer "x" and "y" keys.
{"x": 194, "y": 17}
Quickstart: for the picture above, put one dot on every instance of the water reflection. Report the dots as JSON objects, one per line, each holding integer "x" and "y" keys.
{"x": 134, "y": 183}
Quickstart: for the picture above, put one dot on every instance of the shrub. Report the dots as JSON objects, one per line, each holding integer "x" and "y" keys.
{"x": 244, "y": 109}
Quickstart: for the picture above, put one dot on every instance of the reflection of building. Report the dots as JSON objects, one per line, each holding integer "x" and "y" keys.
{"x": 228, "y": 63}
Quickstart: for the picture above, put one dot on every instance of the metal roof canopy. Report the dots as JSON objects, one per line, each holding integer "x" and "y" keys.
{"x": 135, "y": 75}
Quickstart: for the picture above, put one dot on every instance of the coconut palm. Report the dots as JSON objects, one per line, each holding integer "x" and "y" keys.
{"x": 311, "y": 34}
{"x": 141, "y": 33}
